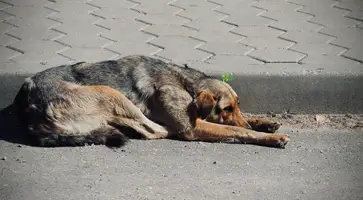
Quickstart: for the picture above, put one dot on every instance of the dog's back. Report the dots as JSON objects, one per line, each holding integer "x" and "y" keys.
{"x": 52, "y": 93}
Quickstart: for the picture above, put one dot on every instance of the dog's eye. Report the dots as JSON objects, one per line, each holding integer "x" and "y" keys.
{"x": 228, "y": 109}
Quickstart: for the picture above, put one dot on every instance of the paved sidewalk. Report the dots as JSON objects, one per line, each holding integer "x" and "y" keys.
{"x": 302, "y": 55}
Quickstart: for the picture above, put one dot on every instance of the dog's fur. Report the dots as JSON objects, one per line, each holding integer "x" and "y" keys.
{"x": 86, "y": 103}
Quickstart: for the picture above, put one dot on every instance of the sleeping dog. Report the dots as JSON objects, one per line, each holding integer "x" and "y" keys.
{"x": 107, "y": 102}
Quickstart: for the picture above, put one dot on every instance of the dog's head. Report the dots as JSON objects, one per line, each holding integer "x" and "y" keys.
{"x": 217, "y": 102}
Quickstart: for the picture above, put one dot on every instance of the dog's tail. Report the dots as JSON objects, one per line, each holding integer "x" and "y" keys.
{"x": 30, "y": 114}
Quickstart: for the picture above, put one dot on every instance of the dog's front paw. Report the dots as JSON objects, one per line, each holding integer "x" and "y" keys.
{"x": 263, "y": 125}
{"x": 272, "y": 127}
{"x": 278, "y": 140}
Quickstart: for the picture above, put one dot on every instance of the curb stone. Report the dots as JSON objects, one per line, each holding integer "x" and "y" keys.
{"x": 303, "y": 90}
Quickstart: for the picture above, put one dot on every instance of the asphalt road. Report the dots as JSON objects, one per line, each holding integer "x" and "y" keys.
{"x": 316, "y": 164}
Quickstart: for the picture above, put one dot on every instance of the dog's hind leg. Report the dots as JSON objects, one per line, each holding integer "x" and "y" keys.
{"x": 124, "y": 113}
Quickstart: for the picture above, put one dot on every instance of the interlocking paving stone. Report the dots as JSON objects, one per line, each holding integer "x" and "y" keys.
{"x": 38, "y": 46}
{"x": 5, "y": 27}
{"x": 84, "y": 40}
{"x": 124, "y": 31}
{"x": 120, "y": 25}
{"x": 6, "y": 40}
{"x": 176, "y": 42}
{"x": 5, "y": 16}
{"x": 233, "y": 62}
{"x": 161, "y": 19}
{"x": 306, "y": 37}
{"x": 216, "y": 35}
{"x": 276, "y": 55}
{"x": 6, "y": 53}
{"x": 170, "y": 30}
{"x": 112, "y": 4}
{"x": 355, "y": 53}
{"x": 348, "y": 39}
{"x": 42, "y": 59}
{"x": 318, "y": 49}
{"x": 195, "y": 14}
{"x": 355, "y": 8}
{"x": 116, "y": 13}
{"x": 4, "y": 6}
{"x": 290, "y": 24}
{"x": 329, "y": 60}
{"x": 24, "y": 2}
{"x": 183, "y": 55}
{"x": 221, "y": 48}
{"x": 263, "y": 43}
{"x": 287, "y": 15}
{"x": 129, "y": 48}
{"x": 242, "y": 20}
{"x": 198, "y": 9}
{"x": 127, "y": 36}
{"x": 151, "y": 7}
{"x": 35, "y": 31}
{"x": 230, "y": 9}
{"x": 276, "y": 6}
{"x": 210, "y": 25}
{"x": 258, "y": 31}
{"x": 187, "y": 4}
{"x": 89, "y": 54}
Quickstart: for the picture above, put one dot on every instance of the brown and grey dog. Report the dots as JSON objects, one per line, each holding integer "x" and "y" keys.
{"x": 110, "y": 101}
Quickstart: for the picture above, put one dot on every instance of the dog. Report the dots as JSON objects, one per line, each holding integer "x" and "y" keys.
{"x": 136, "y": 96}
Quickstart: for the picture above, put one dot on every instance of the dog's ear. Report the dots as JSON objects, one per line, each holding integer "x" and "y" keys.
{"x": 205, "y": 102}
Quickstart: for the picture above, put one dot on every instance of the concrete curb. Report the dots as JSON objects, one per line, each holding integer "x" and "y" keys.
{"x": 261, "y": 92}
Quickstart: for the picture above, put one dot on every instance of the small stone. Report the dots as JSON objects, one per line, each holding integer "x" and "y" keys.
{"x": 215, "y": 162}
{"x": 4, "y": 158}
{"x": 321, "y": 119}
{"x": 286, "y": 115}
{"x": 123, "y": 150}
{"x": 19, "y": 145}
{"x": 272, "y": 114}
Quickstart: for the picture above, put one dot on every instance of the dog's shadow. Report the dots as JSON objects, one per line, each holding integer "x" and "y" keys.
{"x": 11, "y": 130}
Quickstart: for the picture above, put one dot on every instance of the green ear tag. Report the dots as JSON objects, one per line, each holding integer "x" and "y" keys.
{"x": 227, "y": 77}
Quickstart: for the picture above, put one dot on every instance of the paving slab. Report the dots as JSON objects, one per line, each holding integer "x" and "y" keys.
{"x": 300, "y": 55}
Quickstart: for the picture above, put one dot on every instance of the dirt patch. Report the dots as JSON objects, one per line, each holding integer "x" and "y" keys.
{"x": 336, "y": 121}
